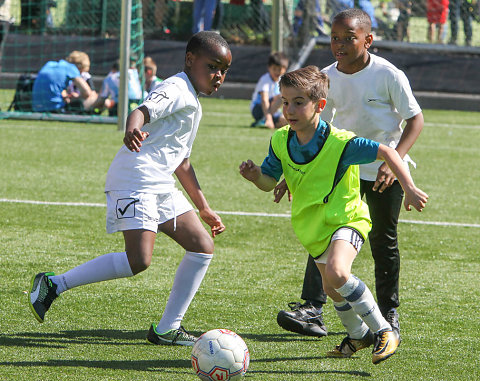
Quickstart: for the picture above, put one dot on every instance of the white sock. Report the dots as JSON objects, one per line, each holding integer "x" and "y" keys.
{"x": 354, "y": 325}
{"x": 105, "y": 267}
{"x": 358, "y": 295}
{"x": 188, "y": 278}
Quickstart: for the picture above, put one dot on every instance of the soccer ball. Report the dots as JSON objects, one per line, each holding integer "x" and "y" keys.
{"x": 220, "y": 354}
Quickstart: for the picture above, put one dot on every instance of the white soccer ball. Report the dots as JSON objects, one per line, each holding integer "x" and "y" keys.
{"x": 220, "y": 354}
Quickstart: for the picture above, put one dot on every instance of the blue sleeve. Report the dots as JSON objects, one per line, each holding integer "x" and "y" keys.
{"x": 358, "y": 151}
{"x": 272, "y": 166}
{"x": 71, "y": 70}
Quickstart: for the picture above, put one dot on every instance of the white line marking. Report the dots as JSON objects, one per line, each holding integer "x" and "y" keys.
{"x": 431, "y": 124}
{"x": 231, "y": 213}
{"x": 53, "y": 203}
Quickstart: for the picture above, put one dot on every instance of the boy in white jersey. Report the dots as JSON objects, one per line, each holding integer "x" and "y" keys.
{"x": 141, "y": 194}
{"x": 371, "y": 97}
{"x": 319, "y": 163}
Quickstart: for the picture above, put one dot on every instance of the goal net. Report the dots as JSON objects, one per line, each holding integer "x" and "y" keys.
{"x": 34, "y": 32}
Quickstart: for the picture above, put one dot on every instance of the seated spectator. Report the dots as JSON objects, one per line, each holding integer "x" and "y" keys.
{"x": 135, "y": 93}
{"x": 52, "y": 80}
{"x": 108, "y": 96}
{"x": 71, "y": 92}
{"x": 266, "y": 98}
{"x": 151, "y": 79}
{"x": 437, "y": 11}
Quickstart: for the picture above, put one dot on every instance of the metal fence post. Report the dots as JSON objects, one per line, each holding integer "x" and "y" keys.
{"x": 124, "y": 63}
{"x": 277, "y": 26}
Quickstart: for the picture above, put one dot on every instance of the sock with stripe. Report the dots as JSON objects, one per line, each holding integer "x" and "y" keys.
{"x": 360, "y": 298}
{"x": 355, "y": 326}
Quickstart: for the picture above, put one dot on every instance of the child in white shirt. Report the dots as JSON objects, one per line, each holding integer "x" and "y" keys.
{"x": 142, "y": 198}
{"x": 266, "y": 98}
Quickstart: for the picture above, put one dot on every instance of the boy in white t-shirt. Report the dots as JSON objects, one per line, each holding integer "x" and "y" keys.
{"x": 266, "y": 98}
{"x": 108, "y": 96}
{"x": 371, "y": 97}
{"x": 141, "y": 194}
{"x": 151, "y": 79}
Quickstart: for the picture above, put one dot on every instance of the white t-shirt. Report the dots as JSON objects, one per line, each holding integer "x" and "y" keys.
{"x": 110, "y": 86}
{"x": 175, "y": 114}
{"x": 372, "y": 103}
{"x": 134, "y": 85}
{"x": 265, "y": 84}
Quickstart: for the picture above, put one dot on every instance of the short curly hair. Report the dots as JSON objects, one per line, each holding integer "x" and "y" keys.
{"x": 362, "y": 18}
{"x": 205, "y": 41}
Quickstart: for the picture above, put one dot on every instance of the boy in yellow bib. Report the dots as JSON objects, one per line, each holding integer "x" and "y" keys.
{"x": 320, "y": 166}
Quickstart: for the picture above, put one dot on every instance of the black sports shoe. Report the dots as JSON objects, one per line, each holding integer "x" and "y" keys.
{"x": 304, "y": 319}
{"x": 349, "y": 346}
{"x": 42, "y": 294}
{"x": 392, "y": 317}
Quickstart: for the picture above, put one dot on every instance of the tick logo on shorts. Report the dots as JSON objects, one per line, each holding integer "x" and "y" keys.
{"x": 126, "y": 207}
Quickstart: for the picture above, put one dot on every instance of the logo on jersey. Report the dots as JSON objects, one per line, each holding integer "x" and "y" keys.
{"x": 126, "y": 207}
{"x": 157, "y": 96}
{"x": 296, "y": 169}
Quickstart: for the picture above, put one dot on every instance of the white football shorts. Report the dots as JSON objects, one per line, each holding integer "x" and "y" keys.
{"x": 345, "y": 234}
{"x": 128, "y": 210}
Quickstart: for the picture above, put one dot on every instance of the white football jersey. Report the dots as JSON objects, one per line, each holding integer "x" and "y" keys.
{"x": 175, "y": 114}
{"x": 372, "y": 103}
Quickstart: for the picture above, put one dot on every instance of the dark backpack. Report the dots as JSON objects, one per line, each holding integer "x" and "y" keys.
{"x": 22, "y": 100}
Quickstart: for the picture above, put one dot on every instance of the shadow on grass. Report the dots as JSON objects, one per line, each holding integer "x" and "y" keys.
{"x": 284, "y": 336}
{"x": 310, "y": 372}
{"x": 138, "y": 365}
{"x": 161, "y": 366}
{"x": 116, "y": 337}
{"x": 64, "y": 338}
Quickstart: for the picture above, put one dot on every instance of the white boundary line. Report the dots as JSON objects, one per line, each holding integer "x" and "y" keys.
{"x": 231, "y": 213}
{"x": 431, "y": 124}
{"x": 52, "y": 202}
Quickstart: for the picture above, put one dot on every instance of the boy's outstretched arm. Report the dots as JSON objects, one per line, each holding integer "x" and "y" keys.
{"x": 413, "y": 196}
{"x": 253, "y": 173}
{"x": 133, "y": 134}
{"x": 412, "y": 130}
{"x": 188, "y": 179}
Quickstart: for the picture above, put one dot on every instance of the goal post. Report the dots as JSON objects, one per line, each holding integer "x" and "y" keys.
{"x": 125, "y": 33}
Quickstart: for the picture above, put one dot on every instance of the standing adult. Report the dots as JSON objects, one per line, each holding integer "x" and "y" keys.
{"x": 460, "y": 9}
{"x": 203, "y": 14}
